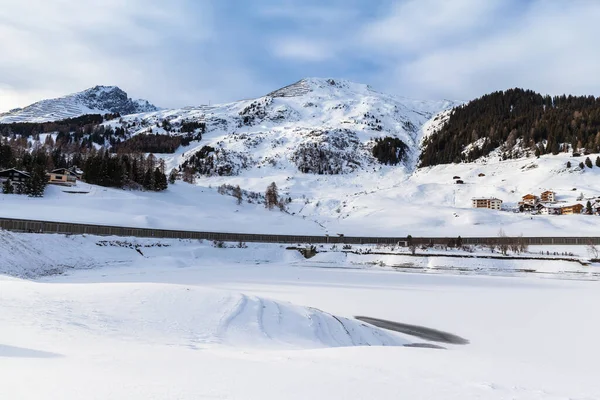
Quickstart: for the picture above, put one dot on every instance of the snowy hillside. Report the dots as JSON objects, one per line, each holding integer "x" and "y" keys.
{"x": 96, "y": 100}
{"x": 315, "y": 140}
{"x": 318, "y": 126}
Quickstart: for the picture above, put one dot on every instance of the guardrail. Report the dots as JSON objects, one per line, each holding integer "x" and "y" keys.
{"x": 36, "y": 226}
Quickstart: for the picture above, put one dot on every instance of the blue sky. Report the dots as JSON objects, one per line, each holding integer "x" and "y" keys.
{"x": 188, "y": 52}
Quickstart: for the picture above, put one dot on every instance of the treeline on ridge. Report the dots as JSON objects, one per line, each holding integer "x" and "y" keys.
{"x": 539, "y": 124}
{"x": 81, "y": 133}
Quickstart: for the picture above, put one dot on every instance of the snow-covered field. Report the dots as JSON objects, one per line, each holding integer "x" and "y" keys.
{"x": 387, "y": 202}
{"x": 187, "y": 320}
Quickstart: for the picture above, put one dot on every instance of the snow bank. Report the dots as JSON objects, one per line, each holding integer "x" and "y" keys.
{"x": 187, "y": 316}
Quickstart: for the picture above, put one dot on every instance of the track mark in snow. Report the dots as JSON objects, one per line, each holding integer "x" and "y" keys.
{"x": 236, "y": 312}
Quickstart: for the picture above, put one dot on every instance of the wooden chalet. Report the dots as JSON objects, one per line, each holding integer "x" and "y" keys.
{"x": 13, "y": 175}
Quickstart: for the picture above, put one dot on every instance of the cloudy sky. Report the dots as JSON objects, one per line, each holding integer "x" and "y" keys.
{"x": 187, "y": 52}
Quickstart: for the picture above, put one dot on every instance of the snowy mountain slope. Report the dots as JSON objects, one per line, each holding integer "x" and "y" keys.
{"x": 96, "y": 100}
{"x": 314, "y": 140}
{"x": 321, "y": 126}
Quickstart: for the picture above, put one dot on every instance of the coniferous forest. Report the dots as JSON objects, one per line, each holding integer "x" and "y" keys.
{"x": 21, "y": 148}
{"x": 519, "y": 122}
{"x": 389, "y": 150}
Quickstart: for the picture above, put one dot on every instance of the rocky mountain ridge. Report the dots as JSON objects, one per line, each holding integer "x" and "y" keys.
{"x": 95, "y": 100}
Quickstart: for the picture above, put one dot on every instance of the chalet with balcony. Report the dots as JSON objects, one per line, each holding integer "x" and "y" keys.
{"x": 530, "y": 200}
{"x": 548, "y": 196}
{"x": 487, "y": 202}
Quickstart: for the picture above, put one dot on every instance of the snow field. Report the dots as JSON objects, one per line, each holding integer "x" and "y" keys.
{"x": 160, "y": 326}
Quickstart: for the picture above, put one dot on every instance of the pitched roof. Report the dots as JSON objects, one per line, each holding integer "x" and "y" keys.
{"x": 16, "y": 170}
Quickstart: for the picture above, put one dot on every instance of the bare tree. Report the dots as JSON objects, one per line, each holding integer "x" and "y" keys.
{"x": 237, "y": 193}
{"x": 593, "y": 251}
{"x": 523, "y": 246}
{"x": 503, "y": 242}
{"x": 271, "y": 196}
{"x": 413, "y": 248}
{"x": 189, "y": 176}
{"x": 491, "y": 245}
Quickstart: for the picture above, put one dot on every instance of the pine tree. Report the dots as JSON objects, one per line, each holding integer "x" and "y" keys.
{"x": 581, "y": 166}
{"x": 148, "y": 182}
{"x": 598, "y": 161}
{"x": 35, "y": 185}
{"x": 160, "y": 180}
{"x": 568, "y": 164}
{"x": 588, "y": 162}
{"x": 588, "y": 208}
{"x": 7, "y": 187}
{"x": 172, "y": 176}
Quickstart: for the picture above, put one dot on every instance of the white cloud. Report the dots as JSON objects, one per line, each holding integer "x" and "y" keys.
{"x": 417, "y": 25}
{"x": 186, "y": 52}
{"x": 547, "y": 46}
{"x": 300, "y": 49}
{"x": 150, "y": 48}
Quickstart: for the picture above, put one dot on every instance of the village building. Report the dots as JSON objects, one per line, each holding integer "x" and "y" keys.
{"x": 530, "y": 200}
{"x": 548, "y": 196}
{"x": 596, "y": 207}
{"x": 571, "y": 209}
{"x": 62, "y": 176}
{"x": 487, "y": 202}
{"x": 13, "y": 175}
{"x": 550, "y": 210}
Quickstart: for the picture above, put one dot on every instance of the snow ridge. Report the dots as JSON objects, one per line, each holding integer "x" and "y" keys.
{"x": 96, "y": 100}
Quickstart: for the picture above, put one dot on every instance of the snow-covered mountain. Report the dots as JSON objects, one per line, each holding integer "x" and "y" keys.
{"x": 315, "y": 140}
{"x": 96, "y": 100}
{"x": 320, "y": 126}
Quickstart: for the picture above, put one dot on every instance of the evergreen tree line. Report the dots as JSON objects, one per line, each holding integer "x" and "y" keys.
{"x": 586, "y": 163}
{"x": 389, "y": 150}
{"x": 21, "y": 157}
{"x": 124, "y": 170}
{"x": 81, "y": 133}
{"x": 153, "y": 143}
{"x": 541, "y": 124}
{"x": 99, "y": 167}
{"x": 29, "y": 129}
{"x": 34, "y": 163}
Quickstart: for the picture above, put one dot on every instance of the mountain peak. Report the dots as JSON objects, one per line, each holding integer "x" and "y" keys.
{"x": 313, "y": 84}
{"x": 95, "y": 100}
